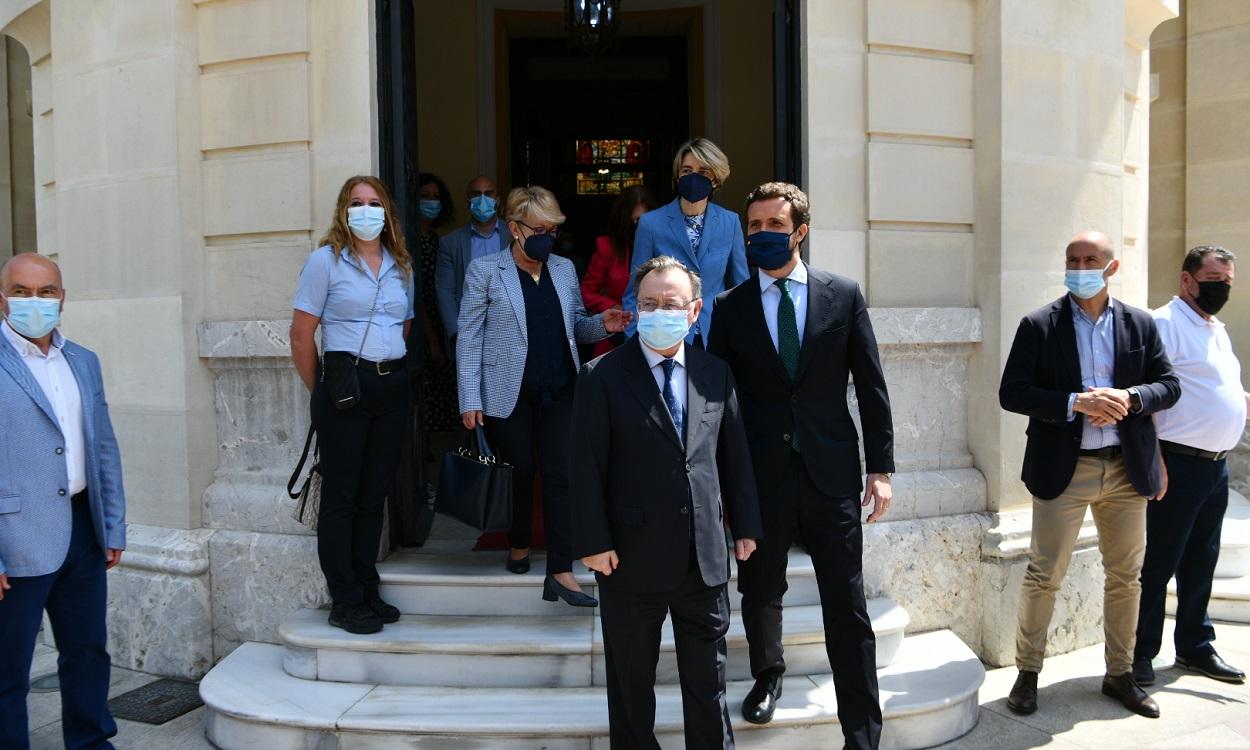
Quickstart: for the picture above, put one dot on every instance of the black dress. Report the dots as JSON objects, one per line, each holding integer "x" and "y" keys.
{"x": 441, "y": 412}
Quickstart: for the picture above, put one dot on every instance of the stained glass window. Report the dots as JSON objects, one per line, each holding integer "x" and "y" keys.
{"x": 604, "y": 165}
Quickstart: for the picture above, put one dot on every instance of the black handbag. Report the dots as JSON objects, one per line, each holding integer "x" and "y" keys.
{"x": 474, "y": 487}
{"x": 339, "y": 372}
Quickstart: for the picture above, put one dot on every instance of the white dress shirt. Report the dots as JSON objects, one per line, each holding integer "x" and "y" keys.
{"x": 771, "y": 299}
{"x": 654, "y": 360}
{"x": 1211, "y": 413}
{"x": 52, "y": 373}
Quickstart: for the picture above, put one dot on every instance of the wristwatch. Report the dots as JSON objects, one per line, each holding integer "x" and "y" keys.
{"x": 1134, "y": 400}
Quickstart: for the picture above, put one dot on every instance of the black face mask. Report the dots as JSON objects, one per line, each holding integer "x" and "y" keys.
{"x": 1212, "y": 295}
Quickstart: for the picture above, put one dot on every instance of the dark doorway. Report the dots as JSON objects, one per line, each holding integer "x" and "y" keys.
{"x": 588, "y": 126}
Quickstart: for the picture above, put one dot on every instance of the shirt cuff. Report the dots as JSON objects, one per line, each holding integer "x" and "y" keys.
{"x": 1071, "y": 404}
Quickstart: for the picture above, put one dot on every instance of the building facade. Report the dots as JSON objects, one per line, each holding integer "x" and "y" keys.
{"x": 187, "y": 154}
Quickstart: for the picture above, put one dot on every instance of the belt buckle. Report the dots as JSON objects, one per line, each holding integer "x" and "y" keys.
{"x": 378, "y": 367}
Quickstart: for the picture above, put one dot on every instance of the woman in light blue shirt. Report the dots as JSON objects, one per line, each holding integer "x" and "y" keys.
{"x": 358, "y": 286}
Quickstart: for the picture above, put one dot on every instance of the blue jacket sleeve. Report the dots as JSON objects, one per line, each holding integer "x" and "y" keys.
{"x": 644, "y": 250}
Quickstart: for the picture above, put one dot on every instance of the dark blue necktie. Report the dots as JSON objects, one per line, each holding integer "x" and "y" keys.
{"x": 670, "y": 400}
{"x": 788, "y": 340}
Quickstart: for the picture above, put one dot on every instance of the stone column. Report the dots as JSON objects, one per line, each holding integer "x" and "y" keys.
{"x": 1061, "y": 100}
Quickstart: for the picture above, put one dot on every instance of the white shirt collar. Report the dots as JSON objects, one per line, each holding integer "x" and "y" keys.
{"x": 25, "y": 347}
{"x": 1192, "y": 316}
{"x": 797, "y": 275}
{"x": 654, "y": 358}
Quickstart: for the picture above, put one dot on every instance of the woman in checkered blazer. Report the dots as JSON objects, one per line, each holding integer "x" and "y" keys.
{"x": 521, "y": 321}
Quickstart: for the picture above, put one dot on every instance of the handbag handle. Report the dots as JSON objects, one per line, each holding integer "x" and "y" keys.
{"x": 299, "y": 468}
{"x": 483, "y": 453}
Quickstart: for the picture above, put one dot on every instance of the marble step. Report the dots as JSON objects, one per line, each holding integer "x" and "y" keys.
{"x": 520, "y": 651}
{"x": 929, "y": 696}
{"x": 1230, "y": 599}
{"x": 1234, "y": 559}
{"x": 475, "y": 583}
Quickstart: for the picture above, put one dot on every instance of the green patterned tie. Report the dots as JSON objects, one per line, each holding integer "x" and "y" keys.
{"x": 788, "y": 339}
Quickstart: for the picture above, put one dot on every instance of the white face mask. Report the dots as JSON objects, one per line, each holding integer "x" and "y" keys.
{"x": 366, "y": 222}
{"x": 663, "y": 329}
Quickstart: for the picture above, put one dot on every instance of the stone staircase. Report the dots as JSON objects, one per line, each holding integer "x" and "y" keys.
{"x": 479, "y": 660}
{"x": 1230, "y": 591}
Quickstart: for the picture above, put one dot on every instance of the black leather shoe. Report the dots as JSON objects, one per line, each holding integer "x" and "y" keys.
{"x": 1023, "y": 696}
{"x": 520, "y": 567}
{"x": 1143, "y": 671}
{"x": 385, "y": 612}
{"x": 1125, "y": 689}
{"x": 761, "y": 702}
{"x": 355, "y": 618}
{"x": 553, "y": 589}
{"x": 1212, "y": 666}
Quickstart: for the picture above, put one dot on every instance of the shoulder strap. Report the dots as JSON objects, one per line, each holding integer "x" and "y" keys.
{"x": 299, "y": 467}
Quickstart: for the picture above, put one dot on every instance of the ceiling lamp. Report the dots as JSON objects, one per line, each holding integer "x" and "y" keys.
{"x": 592, "y": 24}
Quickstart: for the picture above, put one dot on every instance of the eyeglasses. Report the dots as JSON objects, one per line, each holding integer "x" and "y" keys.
{"x": 554, "y": 231}
{"x": 650, "y": 305}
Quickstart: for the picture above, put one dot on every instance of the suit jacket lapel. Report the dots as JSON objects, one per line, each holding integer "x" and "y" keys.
{"x": 677, "y": 223}
{"x": 642, "y": 384}
{"x": 697, "y": 389}
{"x": 12, "y": 363}
{"x": 86, "y": 393}
{"x": 1119, "y": 316}
{"x": 819, "y": 314}
{"x": 512, "y": 285}
{"x": 759, "y": 328}
{"x": 1061, "y": 317}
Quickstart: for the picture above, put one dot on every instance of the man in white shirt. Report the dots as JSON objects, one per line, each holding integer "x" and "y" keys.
{"x": 1183, "y": 531}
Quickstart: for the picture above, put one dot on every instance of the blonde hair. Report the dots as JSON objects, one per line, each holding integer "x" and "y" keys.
{"x": 339, "y": 236}
{"x": 708, "y": 153}
{"x": 533, "y": 202}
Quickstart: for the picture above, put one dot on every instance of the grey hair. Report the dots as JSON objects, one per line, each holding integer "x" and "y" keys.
{"x": 665, "y": 263}
{"x": 1196, "y": 257}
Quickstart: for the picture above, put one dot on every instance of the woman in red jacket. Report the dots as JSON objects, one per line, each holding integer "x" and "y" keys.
{"x": 606, "y": 279}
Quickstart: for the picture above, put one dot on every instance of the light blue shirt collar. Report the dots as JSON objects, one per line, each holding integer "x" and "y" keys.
{"x": 388, "y": 261}
{"x": 798, "y": 276}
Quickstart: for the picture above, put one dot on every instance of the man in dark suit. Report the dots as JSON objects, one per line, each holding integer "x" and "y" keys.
{"x": 660, "y": 468}
{"x": 792, "y": 334}
{"x": 1088, "y": 371}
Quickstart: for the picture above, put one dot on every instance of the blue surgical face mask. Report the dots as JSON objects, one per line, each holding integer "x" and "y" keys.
{"x": 430, "y": 209}
{"x": 769, "y": 250}
{"x": 366, "y": 222}
{"x": 663, "y": 329}
{"x": 482, "y": 207}
{"x": 33, "y": 317}
{"x": 694, "y": 187}
{"x": 1086, "y": 284}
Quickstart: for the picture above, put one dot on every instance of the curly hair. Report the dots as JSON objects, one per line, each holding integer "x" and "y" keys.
{"x": 339, "y": 236}
{"x": 447, "y": 213}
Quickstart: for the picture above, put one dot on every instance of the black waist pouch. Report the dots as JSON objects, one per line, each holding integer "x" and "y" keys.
{"x": 338, "y": 372}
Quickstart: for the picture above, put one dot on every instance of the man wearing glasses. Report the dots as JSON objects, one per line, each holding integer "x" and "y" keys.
{"x": 792, "y": 335}
{"x": 660, "y": 468}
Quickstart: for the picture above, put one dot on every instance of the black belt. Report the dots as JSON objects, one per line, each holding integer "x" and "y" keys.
{"x": 1186, "y": 450}
{"x": 381, "y": 368}
{"x": 1108, "y": 453}
{"x": 80, "y": 498}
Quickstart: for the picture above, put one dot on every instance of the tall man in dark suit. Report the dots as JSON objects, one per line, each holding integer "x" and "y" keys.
{"x": 1088, "y": 371}
{"x": 660, "y": 468}
{"x": 792, "y": 334}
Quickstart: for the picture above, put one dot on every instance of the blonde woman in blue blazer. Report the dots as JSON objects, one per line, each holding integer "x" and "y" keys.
{"x": 521, "y": 320}
{"x": 706, "y": 238}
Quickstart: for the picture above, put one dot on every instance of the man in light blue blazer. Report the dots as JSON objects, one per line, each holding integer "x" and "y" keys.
{"x": 705, "y": 237}
{"x": 62, "y": 507}
{"x": 483, "y": 235}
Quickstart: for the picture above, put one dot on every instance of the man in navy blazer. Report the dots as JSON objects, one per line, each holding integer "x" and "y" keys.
{"x": 704, "y": 237}
{"x": 483, "y": 235}
{"x": 1088, "y": 371}
{"x": 62, "y": 507}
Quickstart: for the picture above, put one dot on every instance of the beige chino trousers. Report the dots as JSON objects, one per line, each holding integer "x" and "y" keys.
{"x": 1120, "y": 516}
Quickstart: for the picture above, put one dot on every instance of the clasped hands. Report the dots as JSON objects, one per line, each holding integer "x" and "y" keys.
{"x": 1103, "y": 406}
{"x": 606, "y": 562}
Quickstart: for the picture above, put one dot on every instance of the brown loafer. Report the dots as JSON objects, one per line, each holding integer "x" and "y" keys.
{"x": 1125, "y": 689}
{"x": 1023, "y": 696}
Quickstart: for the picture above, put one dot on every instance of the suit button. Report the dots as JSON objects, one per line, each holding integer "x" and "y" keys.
{"x": 785, "y": 436}
{"x": 689, "y": 467}
{"x": 685, "y": 511}
{"x": 59, "y": 451}
{"x": 794, "y": 397}
{"x": 61, "y": 493}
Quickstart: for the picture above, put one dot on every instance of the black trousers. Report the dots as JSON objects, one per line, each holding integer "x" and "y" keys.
{"x": 542, "y": 429}
{"x": 830, "y": 530}
{"x": 359, "y": 453}
{"x": 1182, "y": 540}
{"x": 631, "y": 649}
